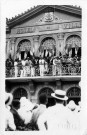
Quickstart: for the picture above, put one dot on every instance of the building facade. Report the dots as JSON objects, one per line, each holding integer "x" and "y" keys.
{"x": 51, "y": 33}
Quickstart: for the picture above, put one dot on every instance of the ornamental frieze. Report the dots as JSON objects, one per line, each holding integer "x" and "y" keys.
{"x": 25, "y": 30}
{"x": 49, "y": 27}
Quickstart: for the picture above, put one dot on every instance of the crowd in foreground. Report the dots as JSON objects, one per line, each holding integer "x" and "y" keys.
{"x": 31, "y": 117}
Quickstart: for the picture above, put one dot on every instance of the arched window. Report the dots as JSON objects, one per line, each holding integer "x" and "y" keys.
{"x": 73, "y": 46}
{"x": 48, "y": 47}
{"x": 24, "y": 48}
{"x": 17, "y": 94}
{"x": 74, "y": 93}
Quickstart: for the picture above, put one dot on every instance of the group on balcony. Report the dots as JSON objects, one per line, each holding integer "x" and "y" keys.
{"x": 43, "y": 66}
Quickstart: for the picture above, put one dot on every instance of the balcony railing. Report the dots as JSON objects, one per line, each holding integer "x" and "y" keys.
{"x": 63, "y": 69}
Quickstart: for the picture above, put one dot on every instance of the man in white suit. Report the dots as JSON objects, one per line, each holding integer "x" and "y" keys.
{"x": 57, "y": 116}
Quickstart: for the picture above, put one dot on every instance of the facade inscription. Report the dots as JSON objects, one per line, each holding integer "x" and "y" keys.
{"x": 66, "y": 25}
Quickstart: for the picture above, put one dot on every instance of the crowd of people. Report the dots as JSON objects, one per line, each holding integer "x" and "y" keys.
{"x": 39, "y": 66}
{"x": 31, "y": 116}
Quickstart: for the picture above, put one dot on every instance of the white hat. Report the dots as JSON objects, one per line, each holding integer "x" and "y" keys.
{"x": 59, "y": 94}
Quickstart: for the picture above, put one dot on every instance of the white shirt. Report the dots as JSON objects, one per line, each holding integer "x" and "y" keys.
{"x": 25, "y": 111}
{"x": 9, "y": 119}
{"x": 57, "y": 117}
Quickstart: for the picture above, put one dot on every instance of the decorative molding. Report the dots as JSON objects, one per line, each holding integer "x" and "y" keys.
{"x": 13, "y": 40}
{"x": 36, "y": 38}
{"x": 60, "y": 35}
{"x": 31, "y": 87}
{"x": 46, "y": 83}
{"x": 58, "y": 84}
{"x": 50, "y": 17}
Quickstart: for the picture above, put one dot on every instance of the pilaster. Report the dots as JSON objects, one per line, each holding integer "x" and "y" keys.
{"x": 60, "y": 45}
{"x": 36, "y": 45}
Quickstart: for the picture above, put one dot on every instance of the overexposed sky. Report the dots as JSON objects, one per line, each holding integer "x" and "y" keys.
{"x": 15, "y": 7}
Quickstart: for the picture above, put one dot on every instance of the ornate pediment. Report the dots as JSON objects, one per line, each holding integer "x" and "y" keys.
{"x": 50, "y": 17}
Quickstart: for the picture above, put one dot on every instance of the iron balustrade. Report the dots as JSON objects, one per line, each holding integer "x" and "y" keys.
{"x": 50, "y": 70}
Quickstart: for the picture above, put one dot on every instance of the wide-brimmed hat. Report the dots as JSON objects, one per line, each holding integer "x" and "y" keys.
{"x": 8, "y": 98}
{"x": 59, "y": 94}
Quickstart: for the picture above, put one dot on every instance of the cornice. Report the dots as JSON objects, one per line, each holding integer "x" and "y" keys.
{"x": 33, "y": 11}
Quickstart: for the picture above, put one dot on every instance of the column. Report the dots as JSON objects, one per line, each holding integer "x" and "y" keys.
{"x": 12, "y": 50}
{"x": 36, "y": 45}
{"x": 7, "y": 48}
{"x": 31, "y": 88}
{"x": 58, "y": 84}
{"x": 60, "y": 46}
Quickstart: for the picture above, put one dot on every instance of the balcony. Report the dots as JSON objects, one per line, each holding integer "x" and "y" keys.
{"x": 60, "y": 69}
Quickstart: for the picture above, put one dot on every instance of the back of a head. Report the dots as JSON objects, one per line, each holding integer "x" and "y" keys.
{"x": 42, "y": 98}
{"x": 59, "y": 101}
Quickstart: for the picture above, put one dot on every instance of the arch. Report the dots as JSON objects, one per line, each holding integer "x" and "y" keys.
{"x": 73, "y": 45}
{"x": 71, "y": 34}
{"x": 23, "y": 38}
{"x": 47, "y": 91}
{"x": 43, "y": 90}
{"x": 48, "y": 46}
{"x": 46, "y": 36}
{"x": 74, "y": 93}
{"x": 18, "y": 87}
{"x": 24, "y": 45}
{"x": 17, "y": 94}
{"x": 24, "y": 48}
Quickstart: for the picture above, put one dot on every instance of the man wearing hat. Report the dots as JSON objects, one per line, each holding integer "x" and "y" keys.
{"x": 57, "y": 116}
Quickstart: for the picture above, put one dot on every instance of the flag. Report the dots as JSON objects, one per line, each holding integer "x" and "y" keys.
{"x": 50, "y": 54}
{"x": 75, "y": 51}
{"x": 46, "y": 53}
{"x": 70, "y": 53}
{"x": 53, "y": 52}
{"x": 31, "y": 53}
{"x": 19, "y": 56}
{"x": 42, "y": 54}
{"x": 25, "y": 55}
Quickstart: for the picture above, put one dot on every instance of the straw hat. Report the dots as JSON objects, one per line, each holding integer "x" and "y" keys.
{"x": 59, "y": 94}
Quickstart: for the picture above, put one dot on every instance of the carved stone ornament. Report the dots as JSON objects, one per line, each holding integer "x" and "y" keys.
{"x": 60, "y": 35}
{"x": 13, "y": 40}
{"x": 36, "y": 38}
{"x": 50, "y": 17}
